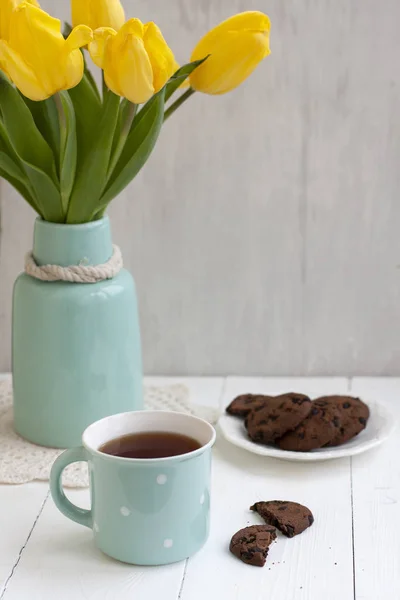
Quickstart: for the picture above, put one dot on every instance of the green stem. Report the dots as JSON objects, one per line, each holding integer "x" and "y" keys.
{"x": 123, "y": 136}
{"x": 104, "y": 85}
{"x": 178, "y": 103}
{"x": 62, "y": 120}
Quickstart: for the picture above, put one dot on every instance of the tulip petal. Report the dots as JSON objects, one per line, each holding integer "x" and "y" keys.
{"x": 112, "y": 83}
{"x": 21, "y": 74}
{"x": 134, "y": 72}
{"x": 80, "y": 10}
{"x": 80, "y": 36}
{"x": 161, "y": 56}
{"x": 237, "y": 56}
{"x": 109, "y": 65}
{"x": 98, "y": 46}
{"x": 98, "y": 13}
{"x": 73, "y": 70}
{"x": 30, "y": 21}
{"x": 133, "y": 26}
{"x": 37, "y": 37}
{"x": 108, "y": 13}
{"x": 246, "y": 21}
{"x": 3, "y": 68}
{"x": 7, "y": 7}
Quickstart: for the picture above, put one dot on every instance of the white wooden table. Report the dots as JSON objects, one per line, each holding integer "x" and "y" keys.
{"x": 352, "y": 552}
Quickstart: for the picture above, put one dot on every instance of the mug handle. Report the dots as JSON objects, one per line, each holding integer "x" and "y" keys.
{"x": 73, "y": 512}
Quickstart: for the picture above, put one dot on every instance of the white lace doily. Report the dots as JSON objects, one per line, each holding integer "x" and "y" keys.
{"x": 21, "y": 461}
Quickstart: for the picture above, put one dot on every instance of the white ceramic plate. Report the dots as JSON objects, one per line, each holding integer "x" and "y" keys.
{"x": 380, "y": 426}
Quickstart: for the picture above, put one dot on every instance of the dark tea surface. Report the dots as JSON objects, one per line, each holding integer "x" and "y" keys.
{"x": 151, "y": 444}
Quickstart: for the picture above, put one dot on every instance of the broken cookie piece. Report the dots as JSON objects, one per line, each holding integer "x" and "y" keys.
{"x": 290, "y": 518}
{"x": 251, "y": 544}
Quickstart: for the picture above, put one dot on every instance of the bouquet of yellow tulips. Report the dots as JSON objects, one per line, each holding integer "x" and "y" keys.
{"x": 70, "y": 148}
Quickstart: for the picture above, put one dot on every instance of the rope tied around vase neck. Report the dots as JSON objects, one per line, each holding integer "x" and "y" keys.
{"x": 75, "y": 273}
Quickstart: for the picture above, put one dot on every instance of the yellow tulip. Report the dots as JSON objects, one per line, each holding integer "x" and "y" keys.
{"x": 235, "y": 48}
{"x": 98, "y": 13}
{"x": 136, "y": 61}
{"x": 7, "y": 7}
{"x": 37, "y": 58}
{"x": 161, "y": 56}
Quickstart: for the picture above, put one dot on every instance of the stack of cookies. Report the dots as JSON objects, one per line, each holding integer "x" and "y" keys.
{"x": 294, "y": 422}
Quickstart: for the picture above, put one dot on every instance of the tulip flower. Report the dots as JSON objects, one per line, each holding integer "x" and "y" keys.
{"x": 7, "y": 7}
{"x": 235, "y": 48}
{"x": 161, "y": 56}
{"x": 98, "y": 13}
{"x": 37, "y": 58}
{"x": 136, "y": 61}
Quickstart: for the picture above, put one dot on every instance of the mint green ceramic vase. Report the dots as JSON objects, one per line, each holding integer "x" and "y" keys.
{"x": 76, "y": 346}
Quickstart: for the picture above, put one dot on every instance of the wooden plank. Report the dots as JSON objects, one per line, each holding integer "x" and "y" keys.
{"x": 319, "y": 563}
{"x": 376, "y": 499}
{"x": 20, "y": 507}
{"x": 60, "y": 559}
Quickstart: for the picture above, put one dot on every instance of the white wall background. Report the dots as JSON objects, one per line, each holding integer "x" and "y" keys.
{"x": 264, "y": 232}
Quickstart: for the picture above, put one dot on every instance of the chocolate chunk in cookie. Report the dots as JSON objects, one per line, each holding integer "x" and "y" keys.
{"x": 317, "y": 430}
{"x": 353, "y": 417}
{"x": 279, "y": 415}
{"x": 290, "y": 518}
{"x": 251, "y": 544}
{"x": 244, "y": 404}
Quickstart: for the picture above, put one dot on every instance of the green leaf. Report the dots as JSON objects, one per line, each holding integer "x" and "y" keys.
{"x": 48, "y": 195}
{"x": 7, "y": 164}
{"x": 91, "y": 80}
{"x": 13, "y": 174}
{"x": 180, "y": 76}
{"x": 12, "y": 169}
{"x": 12, "y": 164}
{"x": 46, "y": 120}
{"x": 67, "y": 151}
{"x": 34, "y": 185}
{"x": 124, "y": 109}
{"x": 24, "y": 136}
{"x": 88, "y": 111}
{"x": 21, "y": 189}
{"x": 91, "y": 178}
{"x": 32, "y": 150}
{"x": 139, "y": 145}
{"x": 67, "y": 29}
{"x": 6, "y": 146}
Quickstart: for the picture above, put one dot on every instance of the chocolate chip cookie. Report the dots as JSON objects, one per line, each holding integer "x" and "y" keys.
{"x": 251, "y": 544}
{"x": 279, "y": 415}
{"x": 317, "y": 430}
{"x": 244, "y": 404}
{"x": 290, "y": 518}
{"x": 353, "y": 417}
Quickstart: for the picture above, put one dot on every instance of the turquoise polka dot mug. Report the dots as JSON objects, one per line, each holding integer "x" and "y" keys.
{"x": 143, "y": 511}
